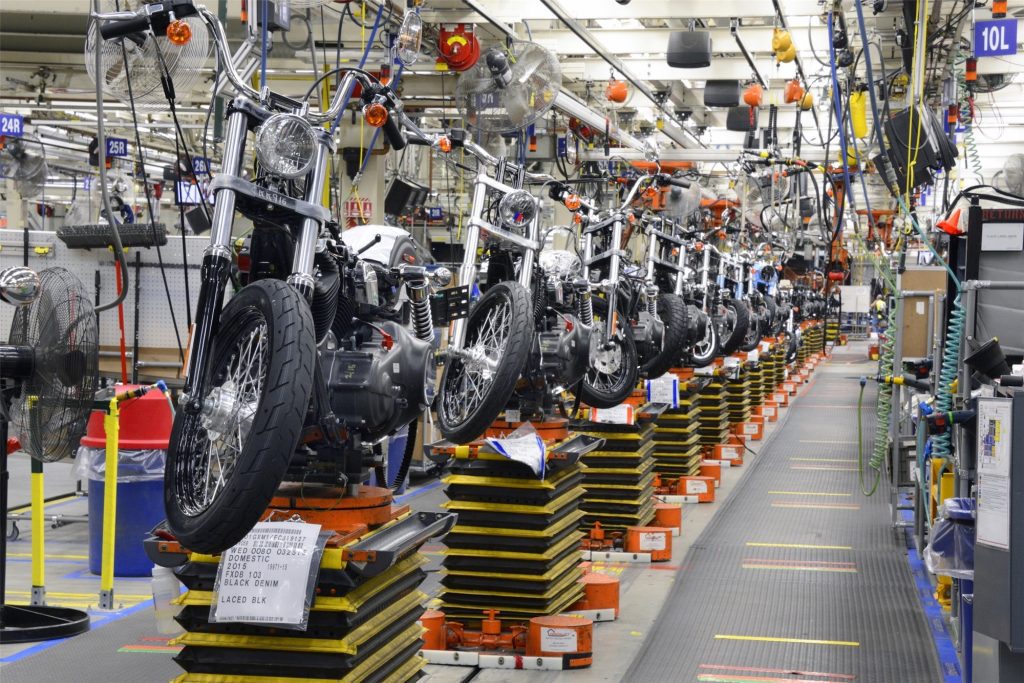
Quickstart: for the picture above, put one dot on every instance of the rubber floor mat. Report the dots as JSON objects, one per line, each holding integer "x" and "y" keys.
{"x": 798, "y": 572}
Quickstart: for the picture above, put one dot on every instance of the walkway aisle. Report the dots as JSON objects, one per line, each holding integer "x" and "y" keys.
{"x": 799, "y": 577}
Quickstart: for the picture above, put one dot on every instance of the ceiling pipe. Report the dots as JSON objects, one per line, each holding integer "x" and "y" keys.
{"x": 566, "y": 101}
{"x": 734, "y": 24}
{"x": 683, "y": 136}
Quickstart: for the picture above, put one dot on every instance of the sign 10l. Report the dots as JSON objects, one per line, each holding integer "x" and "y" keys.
{"x": 997, "y": 37}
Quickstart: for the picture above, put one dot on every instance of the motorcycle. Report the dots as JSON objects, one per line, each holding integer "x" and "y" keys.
{"x": 527, "y": 338}
{"x": 310, "y": 364}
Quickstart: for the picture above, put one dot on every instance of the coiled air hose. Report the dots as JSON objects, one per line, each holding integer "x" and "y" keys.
{"x": 966, "y": 106}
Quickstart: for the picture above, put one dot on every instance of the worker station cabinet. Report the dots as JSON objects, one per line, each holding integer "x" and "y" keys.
{"x": 998, "y": 650}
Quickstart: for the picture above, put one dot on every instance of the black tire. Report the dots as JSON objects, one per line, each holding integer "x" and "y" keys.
{"x": 792, "y": 347}
{"x": 774, "y": 317}
{"x": 733, "y": 323}
{"x": 459, "y": 420}
{"x": 600, "y": 393}
{"x": 757, "y": 321}
{"x": 675, "y": 315}
{"x": 704, "y": 352}
{"x": 275, "y": 312}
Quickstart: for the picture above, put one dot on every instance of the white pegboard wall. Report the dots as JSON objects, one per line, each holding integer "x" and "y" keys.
{"x": 155, "y": 327}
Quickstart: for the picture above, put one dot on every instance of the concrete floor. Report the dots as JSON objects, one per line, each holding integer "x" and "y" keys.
{"x": 120, "y": 639}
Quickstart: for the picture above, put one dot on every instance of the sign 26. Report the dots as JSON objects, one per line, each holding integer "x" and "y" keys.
{"x": 12, "y": 124}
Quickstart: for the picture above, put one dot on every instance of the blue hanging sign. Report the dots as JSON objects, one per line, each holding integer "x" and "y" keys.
{"x": 996, "y": 37}
{"x": 117, "y": 147}
{"x": 200, "y": 166}
{"x": 12, "y": 124}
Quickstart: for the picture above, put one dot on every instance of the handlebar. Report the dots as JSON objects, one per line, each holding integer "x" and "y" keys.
{"x": 664, "y": 179}
{"x": 124, "y": 27}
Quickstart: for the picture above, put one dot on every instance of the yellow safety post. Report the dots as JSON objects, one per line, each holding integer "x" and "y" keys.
{"x": 110, "y": 426}
{"x": 38, "y": 535}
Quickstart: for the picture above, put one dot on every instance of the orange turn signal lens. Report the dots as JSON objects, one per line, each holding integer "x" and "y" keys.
{"x": 179, "y": 32}
{"x": 444, "y": 144}
{"x": 573, "y": 202}
{"x": 375, "y": 114}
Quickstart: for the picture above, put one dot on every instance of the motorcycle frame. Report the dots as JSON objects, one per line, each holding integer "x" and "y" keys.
{"x": 246, "y": 109}
{"x": 468, "y": 271}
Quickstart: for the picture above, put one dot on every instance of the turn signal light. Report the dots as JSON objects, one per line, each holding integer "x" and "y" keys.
{"x": 444, "y": 144}
{"x": 573, "y": 202}
{"x": 179, "y": 32}
{"x": 375, "y": 114}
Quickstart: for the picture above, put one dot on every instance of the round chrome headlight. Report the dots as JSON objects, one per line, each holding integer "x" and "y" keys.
{"x": 560, "y": 263}
{"x": 286, "y": 146}
{"x": 410, "y": 37}
{"x": 517, "y": 209}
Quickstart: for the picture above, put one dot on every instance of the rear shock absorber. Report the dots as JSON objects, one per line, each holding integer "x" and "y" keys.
{"x": 586, "y": 303}
{"x": 422, "y": 317}
{"x": 417, "y": 282}
{"x": 652, "y": 300}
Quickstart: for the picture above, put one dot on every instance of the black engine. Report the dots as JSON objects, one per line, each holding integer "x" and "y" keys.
{"x": 379, "y": 378}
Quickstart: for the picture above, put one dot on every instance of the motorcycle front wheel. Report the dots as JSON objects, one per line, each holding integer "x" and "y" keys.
{"x": 478, "y": 383}
{"x": 613, "y": 370}
{"x": 225, "y": 462}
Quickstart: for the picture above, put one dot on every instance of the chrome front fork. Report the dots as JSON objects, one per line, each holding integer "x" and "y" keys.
{"x": 305, "y": 249}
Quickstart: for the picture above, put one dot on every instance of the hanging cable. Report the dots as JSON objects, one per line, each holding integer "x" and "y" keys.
{"x": 101, "y": 139}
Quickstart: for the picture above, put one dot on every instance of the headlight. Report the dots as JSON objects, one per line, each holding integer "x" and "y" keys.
{"x": 286, "y": 146}
{"x": 410, "y": 36}
{"x": 560, "y": 263}
{"x": 517, "y": 209}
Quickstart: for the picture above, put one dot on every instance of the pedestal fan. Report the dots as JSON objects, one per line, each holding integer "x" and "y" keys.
{"x": 48, "y": 375}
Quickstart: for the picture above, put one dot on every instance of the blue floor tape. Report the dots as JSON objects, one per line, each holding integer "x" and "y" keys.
{"x": 948, "y": 658}
{"x": 417, "y": 492}
{"x": 98, "y": 622}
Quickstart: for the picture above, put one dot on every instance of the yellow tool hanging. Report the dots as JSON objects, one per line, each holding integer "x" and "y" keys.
{"x": 859, "y": 113}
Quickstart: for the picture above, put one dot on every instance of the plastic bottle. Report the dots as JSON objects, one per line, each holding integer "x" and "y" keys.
{"x": 165, "y": 589}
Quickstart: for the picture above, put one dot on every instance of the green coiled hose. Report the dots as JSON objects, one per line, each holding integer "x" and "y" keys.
{"x": 967, "y": 116}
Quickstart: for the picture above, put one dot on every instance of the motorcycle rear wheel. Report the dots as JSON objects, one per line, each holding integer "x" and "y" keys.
{"x": 225, "y": 463}
{"x": 674, "y": 313}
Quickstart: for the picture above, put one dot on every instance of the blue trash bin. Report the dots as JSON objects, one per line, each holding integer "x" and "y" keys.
{"x": 140, "y": 506}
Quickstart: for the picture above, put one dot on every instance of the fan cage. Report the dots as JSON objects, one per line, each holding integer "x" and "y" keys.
{"x": 124, "y": 60}
{"x": 50, "y": 412}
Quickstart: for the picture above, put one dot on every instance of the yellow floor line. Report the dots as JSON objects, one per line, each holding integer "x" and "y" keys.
{"x": 800, "y": 569}
{"x": 824, "y": 459}
{"x": 823, "y": 469}
{"x": 84, "y": 596}
{"x": 817, "y": 506}
{"x": 800, "y": 641}
{"x": 24, "y": 508}
{"x": 809, "y": 493}
{"x": 824, "y": 441}
{"x": 753, "y": 544}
